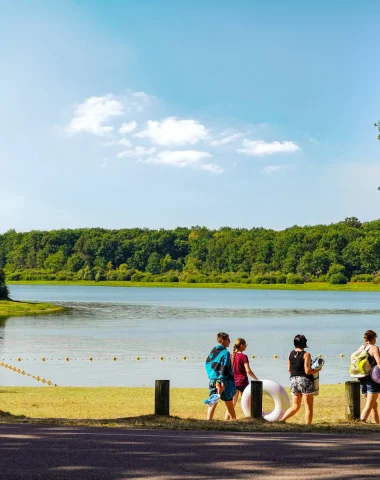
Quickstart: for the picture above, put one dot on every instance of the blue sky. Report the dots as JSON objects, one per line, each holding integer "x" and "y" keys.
{"x": 159, "y": 114}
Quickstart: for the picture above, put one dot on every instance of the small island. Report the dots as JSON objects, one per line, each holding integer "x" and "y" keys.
{"x": 10, "y": 307}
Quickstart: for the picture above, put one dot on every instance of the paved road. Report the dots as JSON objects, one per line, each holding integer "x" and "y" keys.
{"x": 53, "y": 452}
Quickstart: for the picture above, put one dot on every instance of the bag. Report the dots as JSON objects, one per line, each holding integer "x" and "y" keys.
{"x": 359, "y": 362}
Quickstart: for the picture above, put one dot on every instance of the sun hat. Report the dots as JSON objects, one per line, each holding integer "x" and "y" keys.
{"x": 375, "y": 374}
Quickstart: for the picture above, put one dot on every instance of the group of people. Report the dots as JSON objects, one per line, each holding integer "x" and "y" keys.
{"x": 228, "y": 376}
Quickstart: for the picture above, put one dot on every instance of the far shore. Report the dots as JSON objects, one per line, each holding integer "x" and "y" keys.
{"x": 311, "y": 286}
{"x": 10, "y": 308}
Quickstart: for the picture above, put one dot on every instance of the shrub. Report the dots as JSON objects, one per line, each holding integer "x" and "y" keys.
{"x": 293, "y": 279}
{"x": 281, "y": 278}
{"x": 365, "y": 277}
{"x": 173, "y": 278}
{"x": 190, "y": 280}
{"x": 338, "y": 279}
{"x": 137, "y": 277}
{"x": 15, "y": 276}
{"x": 100, "y": 277}
{"x": 376, "y": 280}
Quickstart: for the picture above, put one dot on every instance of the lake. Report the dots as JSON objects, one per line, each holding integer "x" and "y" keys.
{"x": 107, "y": 322}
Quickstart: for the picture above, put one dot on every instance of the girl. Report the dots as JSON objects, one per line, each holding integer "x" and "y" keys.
{"x": 240, "y": 367}
{"x": 301, "y": 379}
{"x": 370, "y": 389}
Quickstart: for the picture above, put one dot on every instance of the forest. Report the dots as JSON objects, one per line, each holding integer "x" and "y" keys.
{"x": 345, "y": 251}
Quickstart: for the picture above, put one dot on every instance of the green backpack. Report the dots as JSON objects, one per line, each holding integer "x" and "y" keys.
{"x": 359, "y": 362}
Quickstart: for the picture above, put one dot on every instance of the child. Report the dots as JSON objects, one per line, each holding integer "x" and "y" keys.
{"x": 220, "y": 374}
{"x": 240, "y": 367}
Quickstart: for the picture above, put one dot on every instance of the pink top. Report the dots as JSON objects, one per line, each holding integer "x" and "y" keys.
{"x": 241, "y": 377}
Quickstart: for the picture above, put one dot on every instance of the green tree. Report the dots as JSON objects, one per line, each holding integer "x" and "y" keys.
{"x": 154, "y": 263}
{"x": 4, "y": 291}
{"x": 377, "y": 125}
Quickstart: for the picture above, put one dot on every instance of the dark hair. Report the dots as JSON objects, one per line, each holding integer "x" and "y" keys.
{"x": 222, "y": 336}
{"x": 370, "y": 335}
{"x": 300, "y": 341}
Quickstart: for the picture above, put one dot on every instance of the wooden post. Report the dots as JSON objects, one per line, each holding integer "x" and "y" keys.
{"x": 256, "y": 399}
{"x": 353, "y": 400}
{"x": 162, "y": 393}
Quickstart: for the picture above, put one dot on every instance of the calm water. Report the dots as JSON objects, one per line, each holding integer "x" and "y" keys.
{"x": 151, "y": 322}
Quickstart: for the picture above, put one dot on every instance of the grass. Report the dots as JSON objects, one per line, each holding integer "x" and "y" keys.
{"x": 10, "y": 308}
{"x": 133, "y": 407}
{"x": 321, "y": 286}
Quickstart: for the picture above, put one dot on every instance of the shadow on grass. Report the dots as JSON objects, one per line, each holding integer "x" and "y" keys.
{"x": 177, "y": 423}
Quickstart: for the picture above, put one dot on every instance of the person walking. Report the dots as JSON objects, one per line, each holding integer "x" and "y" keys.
{"x": 240, "y": 367}
{"x": 370, "y": 389}
{"x": 220, "y": 374}
{"x": 301, "y": 380}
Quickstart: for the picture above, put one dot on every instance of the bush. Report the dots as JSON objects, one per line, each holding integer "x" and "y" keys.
{"x": 15, "y": 276}
{"x": 281, "y": 279}
{"x": 100, "y": 277}
{"x": 293, "y": 279}
{"x": 173, "y": 278}
{"x": 190, "y": 280}
{"x": 338, "y": 279}
{"x": 137, "y": 277}
{"x": 4, "y": 292}
{"x": 365, "y": 277}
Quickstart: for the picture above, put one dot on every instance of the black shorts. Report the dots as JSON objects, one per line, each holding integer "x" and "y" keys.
{"x": 240, "y": 388}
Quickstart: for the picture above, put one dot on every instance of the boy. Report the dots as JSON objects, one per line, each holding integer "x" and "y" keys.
{"x": 221, "y": 376}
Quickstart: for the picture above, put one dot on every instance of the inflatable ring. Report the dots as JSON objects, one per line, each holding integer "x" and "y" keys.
{"x": 274, "y": 390}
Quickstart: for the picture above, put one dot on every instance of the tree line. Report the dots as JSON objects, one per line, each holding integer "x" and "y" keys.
{"x": 348, "y": 249}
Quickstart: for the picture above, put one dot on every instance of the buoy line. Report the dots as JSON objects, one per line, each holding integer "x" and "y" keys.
{"x": 22, "y": 372}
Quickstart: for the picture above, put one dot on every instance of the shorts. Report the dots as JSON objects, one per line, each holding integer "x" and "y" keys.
{"x": 241, "y": 388}
{"x": 368, "y": 385}
{"x": 301, "y": 385}
{"x": 227, "y": 394}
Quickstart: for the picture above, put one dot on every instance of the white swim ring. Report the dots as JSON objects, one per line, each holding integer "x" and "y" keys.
{"x": 274, "y": 390}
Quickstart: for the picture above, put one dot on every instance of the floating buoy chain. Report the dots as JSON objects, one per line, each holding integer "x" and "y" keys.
{"x": 22, "y": 372}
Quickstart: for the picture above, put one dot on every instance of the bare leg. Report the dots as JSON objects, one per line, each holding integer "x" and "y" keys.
{"x": 210, "y": 411}
{"x": 309, "y": 407}
{"x": 370, "y": 404}
{"x": 375, "y": 413}
{"x": 235, "y": 399}
{"x": 294, "y": 408}
{"x": 230, "y": 410}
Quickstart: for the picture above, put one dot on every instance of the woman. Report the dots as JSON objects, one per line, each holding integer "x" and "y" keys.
{"x": 301, "y": 379}
{"x": 370, "y": 389}
{"x": 241, "y": 368}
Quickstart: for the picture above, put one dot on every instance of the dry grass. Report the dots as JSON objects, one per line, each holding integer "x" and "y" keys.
{"x": 133, "y": 407}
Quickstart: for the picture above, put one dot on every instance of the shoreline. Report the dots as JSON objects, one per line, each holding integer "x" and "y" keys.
{"x": 13, "y": 308}
{"x": 311, "y": 286}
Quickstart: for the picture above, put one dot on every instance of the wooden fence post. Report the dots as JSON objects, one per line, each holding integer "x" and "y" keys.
{"x": 256, "y": 399}
{"x": 162, "y": 394}
{"x": 353, "y": 400}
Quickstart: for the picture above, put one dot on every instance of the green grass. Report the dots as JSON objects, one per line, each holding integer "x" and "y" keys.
{"x": 133, "y": 407}
{"x": 10, "y": 308}
{"x": 322, "y": 286}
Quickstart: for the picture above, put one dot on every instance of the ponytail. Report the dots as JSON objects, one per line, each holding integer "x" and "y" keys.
{"x": 238, "y": 343}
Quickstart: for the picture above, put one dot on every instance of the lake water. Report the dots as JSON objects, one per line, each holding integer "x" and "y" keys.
{"x": 171, "y": 322}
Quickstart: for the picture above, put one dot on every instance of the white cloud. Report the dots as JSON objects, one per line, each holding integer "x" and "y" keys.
{"x": 270, "y": 169}
{"x": 93, "y": 112}
{"x": 136, "y": 152}
{"x": 212, "y": 167}
{"x": 173, "y": 132}
{"x": 127, "y": 127}
{"x": 179, "y": 158}
{"x": 260, "y": 147}
{"x": 140, "y": 94}
{"x": 225, "y": 140}
{"x": 123, "y": 141}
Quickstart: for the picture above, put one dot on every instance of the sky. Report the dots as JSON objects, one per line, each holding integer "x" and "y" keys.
{"x": 121, "y": 114}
